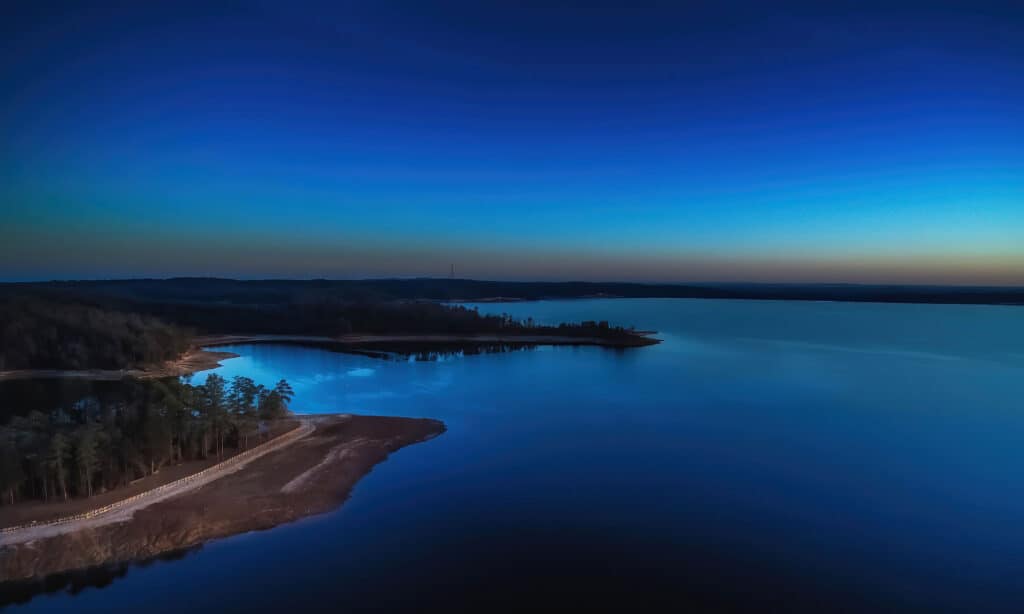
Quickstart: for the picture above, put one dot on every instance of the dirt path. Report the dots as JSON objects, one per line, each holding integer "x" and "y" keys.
{"x": 121, "y": 512}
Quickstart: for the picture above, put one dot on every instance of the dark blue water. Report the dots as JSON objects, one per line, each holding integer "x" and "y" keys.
{"x": 767, "y": 455}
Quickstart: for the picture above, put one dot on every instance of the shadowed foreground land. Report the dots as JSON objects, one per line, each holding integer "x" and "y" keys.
{"x": 311, "y": 476}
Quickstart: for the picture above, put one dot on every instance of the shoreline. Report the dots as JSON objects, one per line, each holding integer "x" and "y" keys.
{"x": 199, "y": 358}
{"x": 192, "y": 361}
{"x": 357, "y": 341}
{"x": 312, "y": 474}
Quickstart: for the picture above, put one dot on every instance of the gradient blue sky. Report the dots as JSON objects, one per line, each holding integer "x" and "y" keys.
{"x": 758, "y": 141}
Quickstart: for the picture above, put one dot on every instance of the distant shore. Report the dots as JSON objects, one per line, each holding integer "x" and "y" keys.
{"x": 448, "y": 290}
{"x": 311, "y": 475}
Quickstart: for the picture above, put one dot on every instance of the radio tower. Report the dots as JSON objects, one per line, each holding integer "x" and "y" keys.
{"x": 451, "y": 275}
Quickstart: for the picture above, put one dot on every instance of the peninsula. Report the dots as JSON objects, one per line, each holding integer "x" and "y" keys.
{"x": 93, "y": 334}
{"x": 311, "y": 474}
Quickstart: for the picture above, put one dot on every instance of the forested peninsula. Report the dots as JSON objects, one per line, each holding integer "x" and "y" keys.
{"x": 88, "y": 327}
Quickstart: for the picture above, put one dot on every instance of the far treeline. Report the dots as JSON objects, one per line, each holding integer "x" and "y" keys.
{"x": 75, "y": 330}
{"x": 100, "y": 442}
{"x": 278, "y": 291}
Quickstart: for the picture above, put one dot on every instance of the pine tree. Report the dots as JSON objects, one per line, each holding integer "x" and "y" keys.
{"x": 12, "y": 475}
{"x": 57, "y": 462}
{"x": 86, "y": 457}
{"x": 284, "y": 390}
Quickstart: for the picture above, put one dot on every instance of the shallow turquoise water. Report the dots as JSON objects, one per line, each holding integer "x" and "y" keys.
{"x": 802, "y": 455}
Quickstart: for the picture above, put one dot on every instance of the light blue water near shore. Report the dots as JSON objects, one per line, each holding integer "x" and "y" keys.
{"x": 801, "y": 455}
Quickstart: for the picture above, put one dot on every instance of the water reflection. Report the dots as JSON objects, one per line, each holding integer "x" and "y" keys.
{"x": 74, "y": 582}
{"x": 330, "y": 378}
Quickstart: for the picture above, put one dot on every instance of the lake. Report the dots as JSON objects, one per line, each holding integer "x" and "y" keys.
{"x": 795, "y": 455}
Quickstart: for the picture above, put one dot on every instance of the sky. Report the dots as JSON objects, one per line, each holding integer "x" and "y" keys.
{"x": 674, "y": 142}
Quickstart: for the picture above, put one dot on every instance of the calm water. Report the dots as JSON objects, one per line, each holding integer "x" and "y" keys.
{"x": 767, "y": 454}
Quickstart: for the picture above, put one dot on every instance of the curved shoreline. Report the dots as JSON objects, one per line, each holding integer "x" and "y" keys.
{"x": 355, "y": 341}
{"x": 198, "y": 358}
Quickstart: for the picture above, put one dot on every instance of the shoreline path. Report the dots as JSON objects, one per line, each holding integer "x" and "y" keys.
{"x": 122, "y": 511}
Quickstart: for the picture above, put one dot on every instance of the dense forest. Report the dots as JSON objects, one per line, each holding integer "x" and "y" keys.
{"x": 378, "y": 318}
{"x": 44, "y": 333}
{"x": 106, "y": 439}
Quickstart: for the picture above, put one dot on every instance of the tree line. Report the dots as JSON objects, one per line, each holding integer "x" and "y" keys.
{"x": 95, "y": 444}
{"x": 44, "y": 333}
{"x": 280, "y": 291}
{"x": 59, "y": 331}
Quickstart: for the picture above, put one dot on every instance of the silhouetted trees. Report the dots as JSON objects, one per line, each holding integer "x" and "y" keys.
{"x": 62, "y": 331}
{"x": 41, "y": 333}
{"x": 92, "y": 443}
{"x": 212, "y": 291}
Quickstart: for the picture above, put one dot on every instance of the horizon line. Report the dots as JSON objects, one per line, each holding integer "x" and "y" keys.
{"x": 513, "y": 281}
